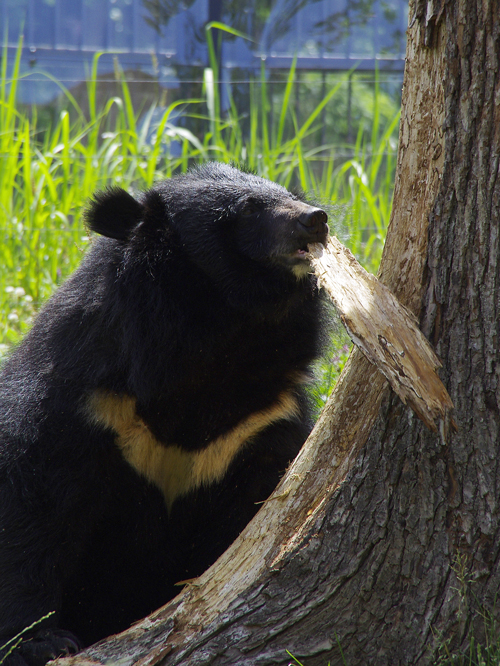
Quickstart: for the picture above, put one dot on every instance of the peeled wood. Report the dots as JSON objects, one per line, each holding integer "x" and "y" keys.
{"x": 385, "y": 331}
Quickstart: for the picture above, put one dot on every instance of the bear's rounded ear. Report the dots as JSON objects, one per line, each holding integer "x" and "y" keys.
{"x": 113, "y": 213}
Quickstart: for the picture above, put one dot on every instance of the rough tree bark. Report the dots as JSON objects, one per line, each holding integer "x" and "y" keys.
{"x": 378, "y": 523}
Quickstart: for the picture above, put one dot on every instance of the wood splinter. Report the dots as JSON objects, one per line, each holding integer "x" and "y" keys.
{"x": 385, "y": 331}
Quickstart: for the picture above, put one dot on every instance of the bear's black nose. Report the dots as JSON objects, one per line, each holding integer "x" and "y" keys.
{"x": 314, "y": 220}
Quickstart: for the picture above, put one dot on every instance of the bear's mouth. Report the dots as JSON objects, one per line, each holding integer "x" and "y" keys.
{"x": 302, "y": 254}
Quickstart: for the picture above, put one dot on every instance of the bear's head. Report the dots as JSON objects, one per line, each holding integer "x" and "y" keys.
{"x": 229, "y": 223}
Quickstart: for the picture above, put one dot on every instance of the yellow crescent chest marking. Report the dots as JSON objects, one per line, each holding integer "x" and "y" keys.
{"x": 175, "y": 471}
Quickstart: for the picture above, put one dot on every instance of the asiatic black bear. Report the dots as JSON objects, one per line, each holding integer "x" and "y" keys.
{"x": 158, "y": 397}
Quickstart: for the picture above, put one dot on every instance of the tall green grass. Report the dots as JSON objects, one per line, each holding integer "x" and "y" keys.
{"x": 47, "y": 174}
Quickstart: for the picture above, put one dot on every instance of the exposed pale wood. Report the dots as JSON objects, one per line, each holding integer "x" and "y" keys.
{"x": 385, "y": 331}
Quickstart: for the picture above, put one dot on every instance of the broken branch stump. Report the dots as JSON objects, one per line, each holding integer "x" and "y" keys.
{"x": 385, "y": 331}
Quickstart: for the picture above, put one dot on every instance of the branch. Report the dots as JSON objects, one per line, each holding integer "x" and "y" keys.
{"x": 385, "y": 331}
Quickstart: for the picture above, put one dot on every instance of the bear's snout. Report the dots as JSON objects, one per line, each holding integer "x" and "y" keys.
{"x": 314, "y": 221}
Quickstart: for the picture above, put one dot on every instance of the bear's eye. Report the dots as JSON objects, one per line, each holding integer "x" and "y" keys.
{"x": 249, "y": 209}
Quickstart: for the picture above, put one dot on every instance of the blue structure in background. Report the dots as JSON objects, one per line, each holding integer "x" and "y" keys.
{"x": 61, "y": 37}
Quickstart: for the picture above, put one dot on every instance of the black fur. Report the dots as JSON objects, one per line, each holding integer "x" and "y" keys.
{"x": 190, "y": 307}
{"x": 113, "y": 213}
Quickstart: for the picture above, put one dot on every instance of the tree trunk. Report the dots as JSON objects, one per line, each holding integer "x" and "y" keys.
{"x": 382, "y": 537}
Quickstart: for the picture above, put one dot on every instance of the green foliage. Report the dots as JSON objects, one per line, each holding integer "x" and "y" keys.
{"x": 14, "y": 642}
{"x": 484, "y": 652}
{"x": 47, "y": 173}
{"x": 329, "y": 368}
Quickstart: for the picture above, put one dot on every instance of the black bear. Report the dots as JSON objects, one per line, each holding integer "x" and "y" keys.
{"x": 157, "y": 399}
